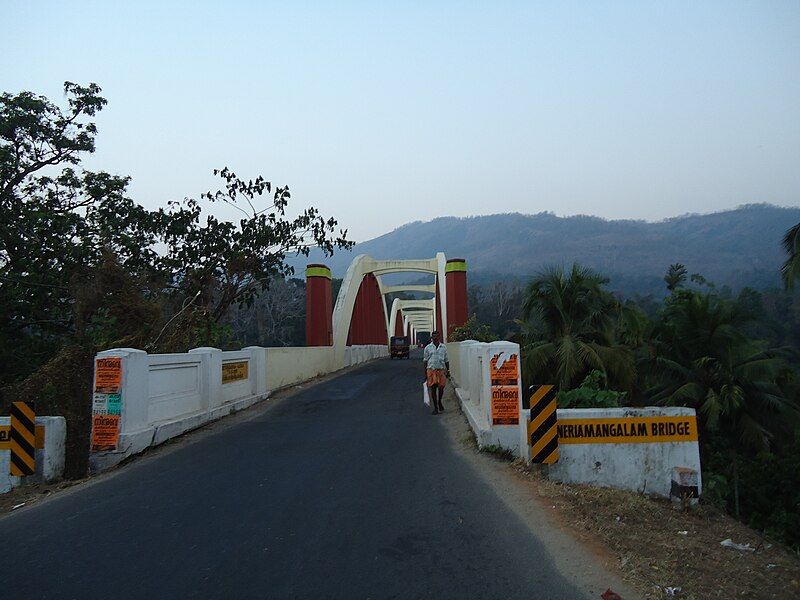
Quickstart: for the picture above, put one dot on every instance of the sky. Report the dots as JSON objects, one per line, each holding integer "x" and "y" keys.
{"x": 384, "y": 113}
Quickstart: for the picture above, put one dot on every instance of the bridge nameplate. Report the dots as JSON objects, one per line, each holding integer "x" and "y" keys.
{"x": 235, "y": 371}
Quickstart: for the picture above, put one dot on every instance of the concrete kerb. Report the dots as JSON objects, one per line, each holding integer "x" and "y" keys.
{"x": 483, "y": 434}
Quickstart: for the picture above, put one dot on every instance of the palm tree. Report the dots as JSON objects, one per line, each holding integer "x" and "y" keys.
{"x": 701, "y": 359}
{"x": 570, "y": 330}
{"x": 675, "y": 277}
{"x": 790, "y": 271}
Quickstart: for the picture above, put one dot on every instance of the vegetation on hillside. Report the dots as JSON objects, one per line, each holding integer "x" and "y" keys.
{"x": 732, "y": 358}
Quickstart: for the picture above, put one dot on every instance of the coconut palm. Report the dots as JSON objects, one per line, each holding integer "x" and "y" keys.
{"x": 570, "y": 330}
{"x": 706, "y": 362}
{"x": 702, "y": 360}
{"x": 790, "y": 271}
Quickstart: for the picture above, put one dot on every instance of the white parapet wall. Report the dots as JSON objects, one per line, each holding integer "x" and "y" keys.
{"x": 647, "y": 444}
{"x": 288, "y": 366}
{"x": 596, "y": 446}
{"x": 488, "y": 382}
{"x": 142, "y": 400}
{"x": 49, "y": 458}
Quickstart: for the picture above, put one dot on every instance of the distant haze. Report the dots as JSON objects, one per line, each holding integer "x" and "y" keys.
{"x": 381, "y": 115}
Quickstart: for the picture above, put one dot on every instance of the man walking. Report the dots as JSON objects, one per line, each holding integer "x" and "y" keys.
{"x": 437, "y": 368}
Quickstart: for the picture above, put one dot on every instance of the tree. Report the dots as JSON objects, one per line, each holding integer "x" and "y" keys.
{"x": 472, "y": 330}
{"x": 275, "y": 318}
{"x": 570, "y": 330}
{"x": 675, "y": 277}
{"x": 591, "y": 393}
{"x": 57, "y": 229}
{"x": 701, "y": 359}
{"x": 790, "y": 271}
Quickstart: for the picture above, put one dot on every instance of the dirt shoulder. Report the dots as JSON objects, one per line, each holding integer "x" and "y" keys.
{"x": 642, "y": 545}
{"x": 583, "y": 561}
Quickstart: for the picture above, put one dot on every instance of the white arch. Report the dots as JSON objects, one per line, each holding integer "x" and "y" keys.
{"x": 394, "y": 289}
{"x": 364, "y": 264}
{"x": 400, "y": 307}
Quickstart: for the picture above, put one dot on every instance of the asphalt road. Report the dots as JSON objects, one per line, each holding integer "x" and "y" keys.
{"x": 350, "y": 489}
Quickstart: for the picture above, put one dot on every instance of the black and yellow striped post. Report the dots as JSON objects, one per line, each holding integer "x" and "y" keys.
{"x": 542, "y": 429}
{"x": 23, "y": 439}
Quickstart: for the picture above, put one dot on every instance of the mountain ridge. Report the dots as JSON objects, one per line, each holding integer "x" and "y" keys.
{"x": 737, "y": 247}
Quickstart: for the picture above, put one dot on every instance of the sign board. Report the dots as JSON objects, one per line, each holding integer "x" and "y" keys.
{"x": 107, "y": 404}
{"x": 22, "y": 439}
{"x": 105, "y": 432}
{"x": 234, "y": 371}
{"x": 108, "y": 375}
{"x": 628, "y": 430}
{"x": 542, "y": 431}
{"x": 504, "y": 376}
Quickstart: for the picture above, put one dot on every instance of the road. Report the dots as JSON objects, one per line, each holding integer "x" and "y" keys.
{"x": 348, "y": 489}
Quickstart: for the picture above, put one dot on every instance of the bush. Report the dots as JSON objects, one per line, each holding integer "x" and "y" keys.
{"x": 590, "y": 394}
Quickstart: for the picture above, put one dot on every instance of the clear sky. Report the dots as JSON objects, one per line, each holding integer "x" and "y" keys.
{"x": 381, "y": 114}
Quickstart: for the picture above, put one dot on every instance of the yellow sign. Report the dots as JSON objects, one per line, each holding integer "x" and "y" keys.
{"x": 5, "y": 437}
{"x": 108, "y": 375}
{"x": 234, "y": 371}
{"x": 627, "y": 430}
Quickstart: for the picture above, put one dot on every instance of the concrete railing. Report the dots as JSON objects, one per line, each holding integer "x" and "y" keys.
{"x": 164, "y": 395}
{"x": 49, "y": 453}
{"x": 596, "y": 446}
{"x": 471, "y": 369}
{"x": 666, "y": 439}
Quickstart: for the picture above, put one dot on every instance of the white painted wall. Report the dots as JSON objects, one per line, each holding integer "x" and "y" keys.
{"x": 469, "y": 369}
{"x": 49, "y": 460}
{"x": 288, "y": 366}
{"x": 645, "y": 468}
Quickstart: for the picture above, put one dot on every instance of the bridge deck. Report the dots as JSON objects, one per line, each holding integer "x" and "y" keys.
{"x": 349, "y": 489}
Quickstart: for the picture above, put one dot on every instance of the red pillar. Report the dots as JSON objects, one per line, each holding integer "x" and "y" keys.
{"x": 368, "y": 324}
{"x": 319, "y": 306}
{"x": 455, "y": 275}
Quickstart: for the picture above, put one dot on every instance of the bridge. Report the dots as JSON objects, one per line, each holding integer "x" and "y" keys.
{"x": 327, "y": 477}
{"x": 361, "y": 316}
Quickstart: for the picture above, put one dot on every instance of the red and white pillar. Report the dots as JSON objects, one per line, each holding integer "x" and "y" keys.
{"x": 319, "y": 306}
{"x": 455, "y": 274}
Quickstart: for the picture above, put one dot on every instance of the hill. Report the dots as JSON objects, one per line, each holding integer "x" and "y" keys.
{"x": 739, "y": 247}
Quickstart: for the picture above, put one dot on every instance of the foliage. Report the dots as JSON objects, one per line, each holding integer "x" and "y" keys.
{"x": 790, "y": 270}
{"x": 276, "y": 317}
{"x": 497, "y": 304}
{"x": 571, "y": 328}
{"x": 498, "y": 451}
{"x": 472, "y": 330}
{"x": 80, "y": 262}
{"x": 675, "y": 277}
{"x": 701, "y": 359}
{"x": 591, "y": 393}
{"x": 770, "y": 482}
